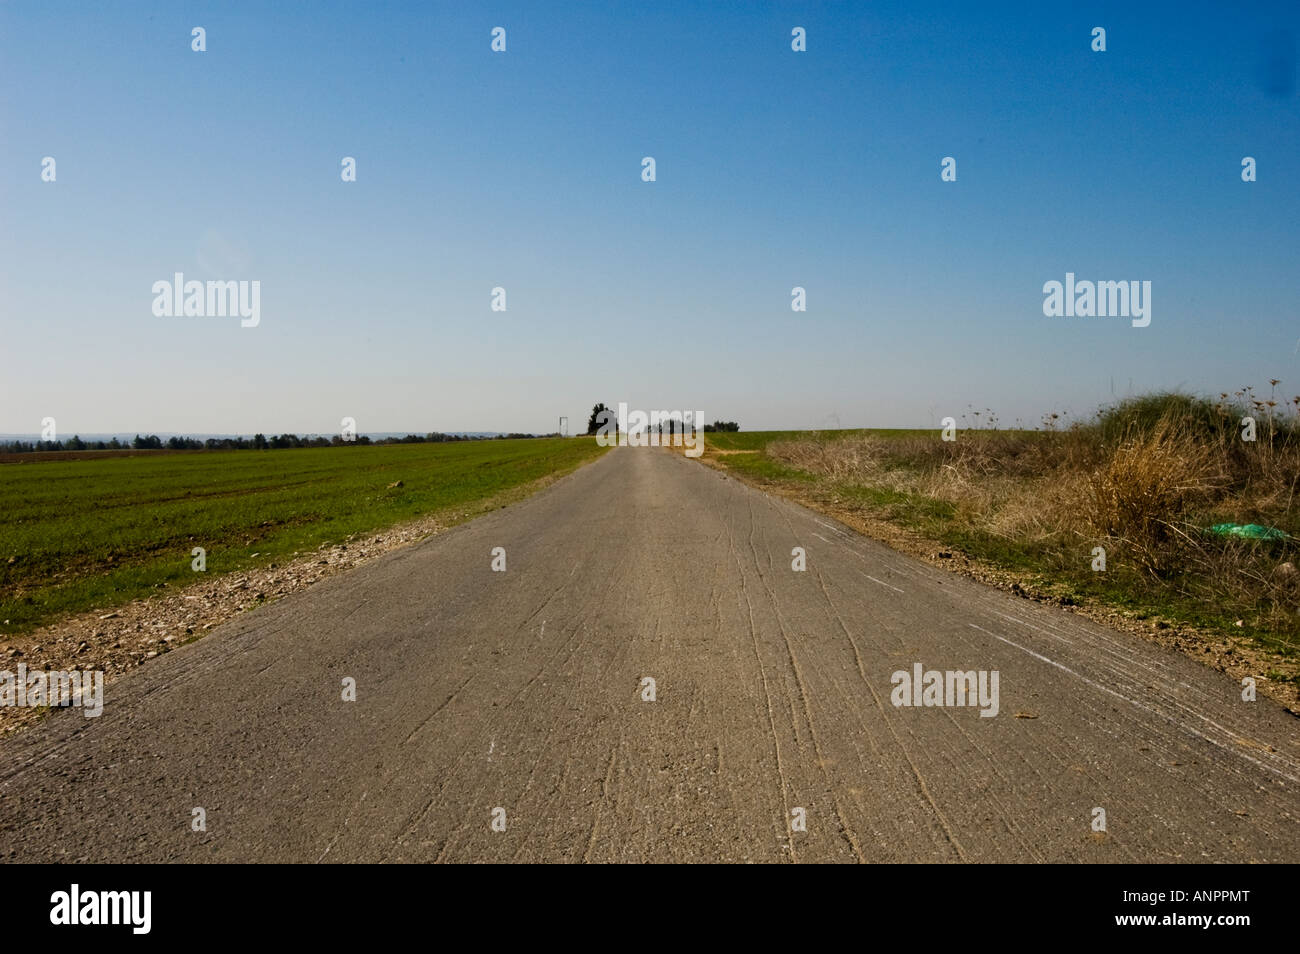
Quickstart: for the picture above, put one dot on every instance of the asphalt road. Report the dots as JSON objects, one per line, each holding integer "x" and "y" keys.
{"x": 523, "y": 691}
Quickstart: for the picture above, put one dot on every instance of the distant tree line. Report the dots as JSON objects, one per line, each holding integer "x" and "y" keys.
{"x": 721, "y": 426}
{"x": 256, "y": 442}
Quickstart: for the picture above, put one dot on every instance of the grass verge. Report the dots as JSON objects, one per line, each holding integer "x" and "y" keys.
{"x": 1034, "y": 511}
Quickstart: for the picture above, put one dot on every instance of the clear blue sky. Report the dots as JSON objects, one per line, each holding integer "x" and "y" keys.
{"x": 522, "y": 170}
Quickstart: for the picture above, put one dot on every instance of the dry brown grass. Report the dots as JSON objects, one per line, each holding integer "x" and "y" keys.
{"x": 1012, "y": 484}
{"x": 1147, "y": 490}
{"x": 1143, "y": 480}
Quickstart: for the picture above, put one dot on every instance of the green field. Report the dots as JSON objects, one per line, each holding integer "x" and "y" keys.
{"x": 81, "y": 534}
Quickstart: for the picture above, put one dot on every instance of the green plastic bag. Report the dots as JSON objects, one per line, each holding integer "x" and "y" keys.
{"x": 1247, "y": 531}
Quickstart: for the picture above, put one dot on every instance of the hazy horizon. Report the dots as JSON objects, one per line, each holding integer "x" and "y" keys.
{"x": 576, "y": 425}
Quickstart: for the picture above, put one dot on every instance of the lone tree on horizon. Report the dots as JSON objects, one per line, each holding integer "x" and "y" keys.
{"x": 593, "y": 423}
